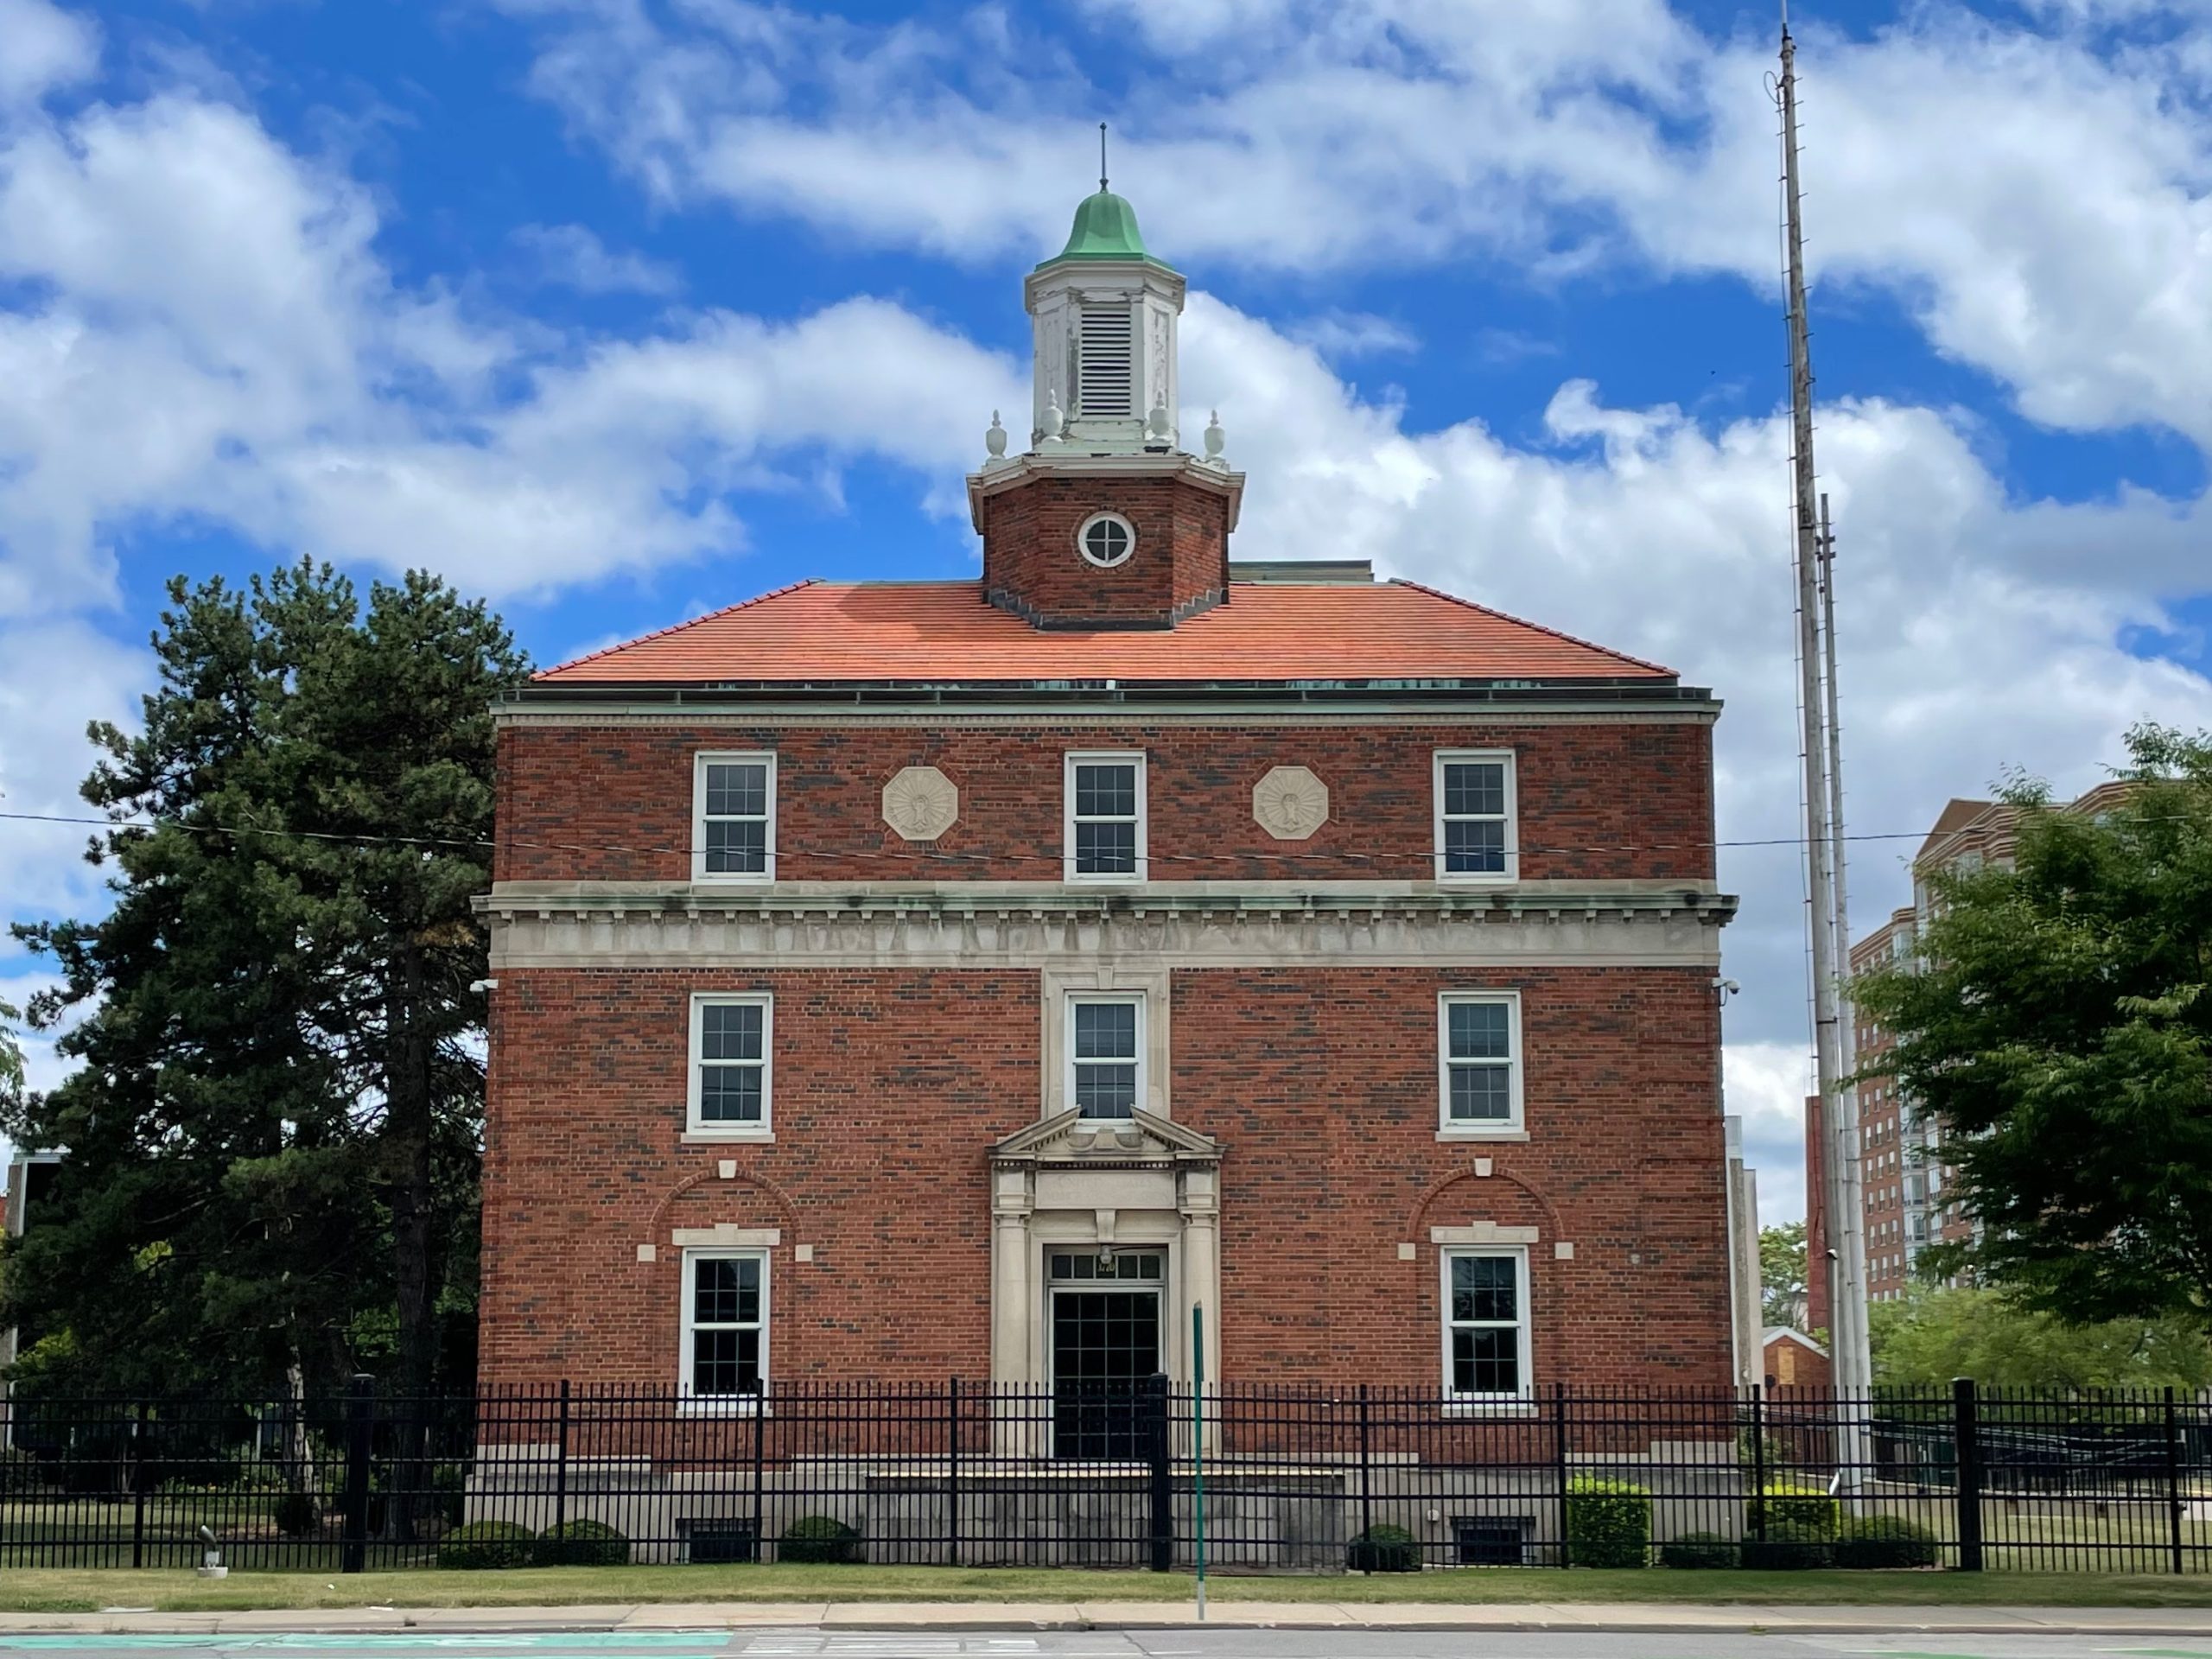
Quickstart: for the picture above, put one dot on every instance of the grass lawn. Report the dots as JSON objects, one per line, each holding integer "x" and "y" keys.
{"x": 58, "y": 1590}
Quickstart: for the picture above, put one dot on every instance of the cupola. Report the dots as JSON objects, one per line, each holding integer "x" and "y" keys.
{"x": 1105, "y": 521}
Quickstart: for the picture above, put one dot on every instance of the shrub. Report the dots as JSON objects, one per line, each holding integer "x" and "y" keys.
{"x": 1384, "y": 1548}
{"x": 488, "y": 1544}
{"x": 1881, "y": 1541}
{"x": 818, "y": 1538}
{"x": 1700, "y": 1549}
{"x": 1789, "y": 1547}
{"x": 296, "y": 1515}
{"x": 1608, "y": 1523}
{"x": 582, "y": 1543}
{"x": 1808, "y": 1507}
{"x": 19, "y": 1472}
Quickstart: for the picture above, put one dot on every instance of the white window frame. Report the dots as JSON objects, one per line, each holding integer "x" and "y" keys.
{"x": 1132, "y": 999}
{"x": 733, "y": 1404}
{"x": 699, "y": 762}
{"x": 1514, "y": 1127}
{"x": 1523, "y": 1324}
{"x": 696, "y": 1128}
{"x": 1069, "y": 761}
{"x": 1466, "y": 757}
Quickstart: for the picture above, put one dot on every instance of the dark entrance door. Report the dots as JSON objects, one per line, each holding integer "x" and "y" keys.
{"x": 1105, "y": 1344}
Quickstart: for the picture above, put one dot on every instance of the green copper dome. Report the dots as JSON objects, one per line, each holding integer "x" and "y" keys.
{"x": 1105, "y": 228}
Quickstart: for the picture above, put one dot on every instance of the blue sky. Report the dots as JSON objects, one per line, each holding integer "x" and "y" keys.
{"x": 619, "y": 309}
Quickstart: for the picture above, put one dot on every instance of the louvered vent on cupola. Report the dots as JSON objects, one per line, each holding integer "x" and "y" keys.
{"x": 1105, "y": 367}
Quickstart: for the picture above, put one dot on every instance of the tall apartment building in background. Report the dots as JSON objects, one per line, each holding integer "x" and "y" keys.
{"x": 1909, "y": 1202}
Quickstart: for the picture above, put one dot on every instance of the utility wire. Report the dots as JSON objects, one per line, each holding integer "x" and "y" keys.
{"x": 925, "y": 856}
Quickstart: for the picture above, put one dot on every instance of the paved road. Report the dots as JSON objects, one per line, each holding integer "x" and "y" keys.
{"x": 802, "y": 1643}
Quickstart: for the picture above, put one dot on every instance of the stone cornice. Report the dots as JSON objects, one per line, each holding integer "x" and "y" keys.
{"x": 1069, "y": 459}
{"x": 874, "y": 899}
{"x": 1036, "y": 926}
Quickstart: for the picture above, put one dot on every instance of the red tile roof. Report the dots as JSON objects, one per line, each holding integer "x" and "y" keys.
{"x": 942, "y": 631}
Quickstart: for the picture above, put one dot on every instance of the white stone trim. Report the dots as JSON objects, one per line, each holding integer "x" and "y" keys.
{"x": 1057, "y": 991}
{"x": 1482, "y": 1232}
{"x": 570, "y": 935}
{"x": 726, "y": 1235}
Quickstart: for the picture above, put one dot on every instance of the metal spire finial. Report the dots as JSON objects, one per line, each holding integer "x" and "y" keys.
{"x": 1102, "y": 158}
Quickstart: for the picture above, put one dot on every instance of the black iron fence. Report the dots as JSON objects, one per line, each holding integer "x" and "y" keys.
{"x": 1294, "y": 1478}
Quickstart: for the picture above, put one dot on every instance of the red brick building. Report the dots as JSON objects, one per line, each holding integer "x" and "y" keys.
{"x": 899, "y": 980}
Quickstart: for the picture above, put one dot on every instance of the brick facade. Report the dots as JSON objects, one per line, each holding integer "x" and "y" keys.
{"x": 1320, "y": 1085}
{"x": 613, "y": 803}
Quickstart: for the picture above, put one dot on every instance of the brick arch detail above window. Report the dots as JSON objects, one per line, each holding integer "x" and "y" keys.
{"x": 657, "y": 1229}
{"x": 1547, "y": 1219}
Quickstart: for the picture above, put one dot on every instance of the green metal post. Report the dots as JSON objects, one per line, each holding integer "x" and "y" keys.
{"x": 1198, "y": 1441}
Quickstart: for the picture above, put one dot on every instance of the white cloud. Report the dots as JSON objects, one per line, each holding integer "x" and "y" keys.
{"x": 211, "y": 335}
{"x": 2038, "y": 200}
{"x": 572, "y": 255}
{"x": 46, "y": 48}
{"x": 1765, "y": 1085}
{"x": 1976, "y": 635}
{"x": 1348, "y": 336}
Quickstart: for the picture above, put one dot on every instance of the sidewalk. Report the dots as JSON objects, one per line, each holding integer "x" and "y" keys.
{"x": 1626, "y": 1617}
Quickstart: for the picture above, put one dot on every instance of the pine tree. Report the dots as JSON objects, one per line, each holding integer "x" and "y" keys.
{"x": 271, "y": 1140}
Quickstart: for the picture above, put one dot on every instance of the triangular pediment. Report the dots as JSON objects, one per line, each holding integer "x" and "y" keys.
{"x": 1068, "y": 1137}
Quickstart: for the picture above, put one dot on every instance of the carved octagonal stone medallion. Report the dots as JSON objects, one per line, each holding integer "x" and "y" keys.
{"x": 920, "y": 803}
{"x": 1290, "y": 803}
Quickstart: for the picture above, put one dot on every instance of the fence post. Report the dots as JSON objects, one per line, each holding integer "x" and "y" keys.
{"x": 1965, "y": 1438}
{"x": 138, "y": 1483}
{"x": 1759, "y": 1462}
{"x": 1163, "y": 1484}
{"x": 2173, "y": 1482}
{"x": 952, "y": 1470}
{"x": 1559, "y": 1465}
{"x": 561, "y": 1468}
{"x": 761, "y": 1472}
{"x": 360, "y": 1422}
{"x": 1366, "y": 1468}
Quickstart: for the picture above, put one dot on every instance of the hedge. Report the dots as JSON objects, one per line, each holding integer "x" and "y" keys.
{"x": 1384, "y": 1548}
{"x": 1807, "y": 1508}
{"x": 818, "y": 1538}
{"x": 1608, "y": 1523}
{"x": 1885, "y": 1540}
{"x": 582, "y": 1543}
{"x": 488, "y": 1544}
{"x": 1789, "y": 1545}
{"x": 1700, "y": 1549}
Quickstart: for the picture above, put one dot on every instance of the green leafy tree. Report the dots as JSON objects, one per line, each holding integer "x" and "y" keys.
{"x": 2057, "y": 1028}
{"x": 11, "y": 1051}
{"x": 1781, "y": 1275}
{"x": 1933, "y": 1336}
{"x": 272, "y": 1137}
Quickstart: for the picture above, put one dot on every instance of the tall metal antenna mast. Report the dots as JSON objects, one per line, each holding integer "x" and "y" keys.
{"x": 1830, "y": 925}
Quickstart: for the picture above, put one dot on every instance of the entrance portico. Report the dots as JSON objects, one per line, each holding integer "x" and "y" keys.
{"x": 1072, "y": 1186}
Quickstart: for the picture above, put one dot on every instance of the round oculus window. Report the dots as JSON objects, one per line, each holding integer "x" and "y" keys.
{"x": 1106, "y": 538}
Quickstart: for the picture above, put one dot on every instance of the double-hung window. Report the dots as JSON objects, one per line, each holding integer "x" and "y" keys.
{"x": 734, "y": 818}
{"x": 730, "y": 1091}
{"x": 1478, "y": 1062}
{"x": 1105, "y": 818}
{"x": 725, "y": 1325}
{"x": 1476, "y": 839}
{"x": 1106, "y": 1055}
{"x": 1486, "y": 1325}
